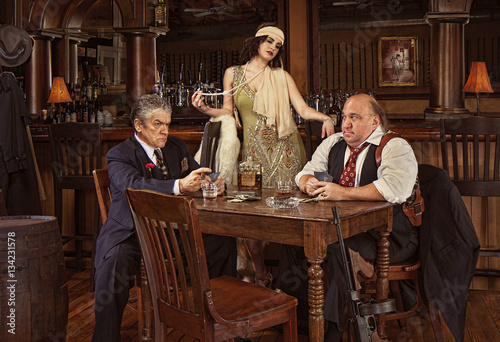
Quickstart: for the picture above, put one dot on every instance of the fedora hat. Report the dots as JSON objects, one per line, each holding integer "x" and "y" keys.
{"x": 15, "y": 45}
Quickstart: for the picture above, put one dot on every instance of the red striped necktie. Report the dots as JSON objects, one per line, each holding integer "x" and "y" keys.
{"x": 348, "y": 177}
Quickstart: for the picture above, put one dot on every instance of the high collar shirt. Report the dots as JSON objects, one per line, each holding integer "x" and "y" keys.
{"x": 396, "y": 174}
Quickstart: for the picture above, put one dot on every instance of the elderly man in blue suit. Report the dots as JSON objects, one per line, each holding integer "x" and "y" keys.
{"x": 148, "y": 160}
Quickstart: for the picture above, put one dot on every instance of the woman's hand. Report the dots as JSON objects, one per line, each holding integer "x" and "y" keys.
{"x": 327, "y": 129}
{"x": 198, "y": 102}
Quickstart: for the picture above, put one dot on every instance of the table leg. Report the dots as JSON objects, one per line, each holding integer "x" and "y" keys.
{"x": 316, "y": 298}
{"x": 315, "y": 251}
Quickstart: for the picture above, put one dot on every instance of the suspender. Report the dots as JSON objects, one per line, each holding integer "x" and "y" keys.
{"x": 414, "y": 205}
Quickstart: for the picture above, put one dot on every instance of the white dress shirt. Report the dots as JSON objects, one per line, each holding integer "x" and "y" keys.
{"x": 150, "y": 151}
{"x": 396, "y": 174}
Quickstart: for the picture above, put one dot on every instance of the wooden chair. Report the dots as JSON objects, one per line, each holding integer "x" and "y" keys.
{"x": 76, "y": 152}
{"x": 406, "y": 270}
{"x": 473, "y": 172}
{"x": 183, "y": 296}
{"x": 103, "y": 191}
{"x": 144, "y": 312}
{"x": 209, "y": 145}
{"x": 313, "y": 136}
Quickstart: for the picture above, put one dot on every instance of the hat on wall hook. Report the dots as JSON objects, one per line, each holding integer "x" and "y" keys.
{"x": 15, "y": 45}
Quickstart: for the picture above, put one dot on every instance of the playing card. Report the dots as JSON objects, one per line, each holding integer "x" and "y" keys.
{"x": 213, "y": 176}
{"x": 323, "y": 176}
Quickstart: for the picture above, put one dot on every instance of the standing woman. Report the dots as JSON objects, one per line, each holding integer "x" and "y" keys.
{"x": 262, "y": 91}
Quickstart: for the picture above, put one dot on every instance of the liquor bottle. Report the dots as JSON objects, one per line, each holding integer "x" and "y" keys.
{"x": 160, "y": 14}
{"x": 78, "y": 90}
{"x": 249, "y": 175}
{"x": 73, "y": 116}
{"x": 71, "y": 90}
{"x": 89, "y": 87}
{"x": 92, "y": 111}
{"x": 95, "y": 88}
{"x": 79, "y": 117}
{"x": 104, "y": 87}
{"x": 67, "y": 114}
{"x": 85, "y": 112}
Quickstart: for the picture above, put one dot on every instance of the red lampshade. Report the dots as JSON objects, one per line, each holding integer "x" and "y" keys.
{"x": 478, "y": 81}
{"x": 59, "y": 93}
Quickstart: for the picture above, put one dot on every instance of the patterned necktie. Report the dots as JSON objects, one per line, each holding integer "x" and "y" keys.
{"x": 348, "y": 176}
{"x": 160, "y": 162}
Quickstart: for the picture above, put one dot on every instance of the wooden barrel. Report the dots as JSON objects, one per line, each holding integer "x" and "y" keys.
{"x": 34, "y": 294}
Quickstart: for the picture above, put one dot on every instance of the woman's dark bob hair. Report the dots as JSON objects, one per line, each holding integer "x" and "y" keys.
{"x": 251, "y": 49}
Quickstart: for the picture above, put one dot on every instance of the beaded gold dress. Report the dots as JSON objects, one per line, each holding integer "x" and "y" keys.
{"x": 281, "y": 159}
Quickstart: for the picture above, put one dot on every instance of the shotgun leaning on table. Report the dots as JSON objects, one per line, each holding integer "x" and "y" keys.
{"x": 361, "y": 315}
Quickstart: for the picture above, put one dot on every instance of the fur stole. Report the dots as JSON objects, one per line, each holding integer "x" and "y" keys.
{"x": 228, "y": 149}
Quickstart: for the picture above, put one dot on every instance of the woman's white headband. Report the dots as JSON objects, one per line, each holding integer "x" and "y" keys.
{"x": 272, "y": 31}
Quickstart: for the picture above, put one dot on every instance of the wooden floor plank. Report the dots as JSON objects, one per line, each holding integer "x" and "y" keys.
{"x": 482, "y": 323}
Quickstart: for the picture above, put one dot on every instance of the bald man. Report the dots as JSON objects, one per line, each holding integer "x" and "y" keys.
{"x": 363, "y": 125}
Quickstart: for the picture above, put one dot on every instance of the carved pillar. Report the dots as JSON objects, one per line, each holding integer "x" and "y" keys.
{"x": 447, "y": 65}
{"x": 38, "y": 73}
{"x": 141, "y": 62}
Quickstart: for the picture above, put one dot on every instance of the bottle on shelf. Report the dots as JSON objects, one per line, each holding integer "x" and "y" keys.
{"x": 92, "y": 111}
{"x": 95, "y": 88}
{"x": 88, "y": 87}
{"x": 249, "y": 174}
{"x": 78, "y": 90}
{"x": 85, "y": 112}
{"x": 104, "y": 87}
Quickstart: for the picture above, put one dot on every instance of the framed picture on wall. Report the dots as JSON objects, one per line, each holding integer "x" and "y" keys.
{"x": 397, "y": 61}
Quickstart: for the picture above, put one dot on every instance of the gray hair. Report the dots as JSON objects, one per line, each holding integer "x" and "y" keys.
{"x": 145, "y": 105}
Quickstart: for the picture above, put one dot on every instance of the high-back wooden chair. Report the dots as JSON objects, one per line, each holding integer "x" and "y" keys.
{"x": 183, "y": 296}
{"x": 313, "y": 136}
{"x": 103, "y": 191}
{"x": 144, "y": 314}
{"x": 76, "y": 152}
{"x": 474, "y": 164}
{"x": 209, "y": 145}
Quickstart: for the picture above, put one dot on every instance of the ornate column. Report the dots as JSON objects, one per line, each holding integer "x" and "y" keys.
{"x": 141, "y": 61}
{"x": 447, "y": 64}
{"x": 38, "y": 73}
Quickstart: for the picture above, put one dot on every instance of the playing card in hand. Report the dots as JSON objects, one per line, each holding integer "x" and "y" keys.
{"x": 323, "y": 176}
{"x": 213, "y": 176}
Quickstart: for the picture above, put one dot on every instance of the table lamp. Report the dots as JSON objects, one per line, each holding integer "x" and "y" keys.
{"x": 478, "y": 81}
{"x": 59, "y": 93}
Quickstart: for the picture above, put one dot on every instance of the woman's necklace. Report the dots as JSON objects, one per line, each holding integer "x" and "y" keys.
{"x": 227, "y": 92}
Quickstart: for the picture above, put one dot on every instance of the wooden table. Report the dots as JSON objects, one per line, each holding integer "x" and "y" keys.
{"x": 309, "y": 225}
